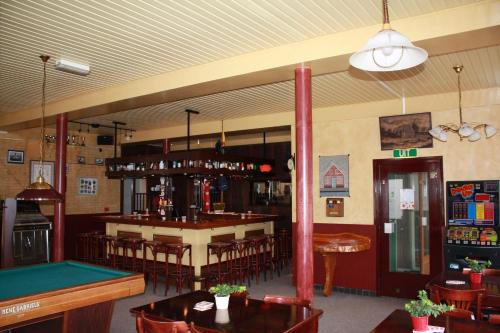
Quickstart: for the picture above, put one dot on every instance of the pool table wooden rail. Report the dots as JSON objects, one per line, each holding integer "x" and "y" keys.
{"x": 20, "y": 309}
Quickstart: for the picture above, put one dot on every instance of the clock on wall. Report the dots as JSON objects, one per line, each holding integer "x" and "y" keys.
{"x": 291, "y": 163}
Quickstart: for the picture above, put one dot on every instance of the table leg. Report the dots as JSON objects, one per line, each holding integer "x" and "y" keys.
{"x": 330, "y": 260}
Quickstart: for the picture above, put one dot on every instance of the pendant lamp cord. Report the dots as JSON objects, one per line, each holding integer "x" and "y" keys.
{"x": 44, "y": 58}
{"x": 458, "y": 69}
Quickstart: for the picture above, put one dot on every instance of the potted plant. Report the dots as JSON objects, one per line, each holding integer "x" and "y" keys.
{"x": 421, "y": 309}
{"x": 223, "y": 291}
{"x": 476, "y": 269}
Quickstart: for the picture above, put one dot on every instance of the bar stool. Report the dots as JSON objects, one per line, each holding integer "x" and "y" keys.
{"x": 181, "y": 273}
{"x": 98, "y": 248}
{"x": 221, "y": 274}
{"x": 114, "y": 243}
{"x": 270, "y": 260}
{"x": 82, "y": 246}
{"x": 133, "y": 244}
{"x": 155, "y": 247}
{"x": 284, "y": 247}
{"x": 257, "y": 247}
{"x": 240, "y": 260}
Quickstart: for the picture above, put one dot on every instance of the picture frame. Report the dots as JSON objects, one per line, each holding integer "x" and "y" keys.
{"x": 48, "y": 171}
{"x": 15, "y": 156}
{"x": 99, "y": 161}
{"x": 406, "y": 131}
{"x": 87, "y": 186}
{"x": 334, "y": 176}
{"x": 80, "y": 159}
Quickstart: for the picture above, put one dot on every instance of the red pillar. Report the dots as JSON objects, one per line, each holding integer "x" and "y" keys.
{"x": 166, "y": 146}
{"x": 303, "y": 175}
{"x": 60, "y": 186}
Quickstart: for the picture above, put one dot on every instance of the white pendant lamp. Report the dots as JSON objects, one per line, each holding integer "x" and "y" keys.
{"x": 388, "y": 50}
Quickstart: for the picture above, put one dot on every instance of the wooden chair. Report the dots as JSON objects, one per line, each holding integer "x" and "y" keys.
{"x": 491, "y": 272}
{"x": 461, "y": 299}
{"x": 196, "y": 329}
{"x": 147, "y": 325}
{"x": 278, "y": 299}
{"x": 494, "y": 319}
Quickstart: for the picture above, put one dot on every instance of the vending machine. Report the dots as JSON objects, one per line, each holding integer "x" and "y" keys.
{"x": 473, "y": 222}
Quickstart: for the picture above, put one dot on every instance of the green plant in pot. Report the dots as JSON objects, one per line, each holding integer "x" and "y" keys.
{"x": 476, "y": 269}
{"x": 223, "y": 291}
{"x": 422, "y": 308}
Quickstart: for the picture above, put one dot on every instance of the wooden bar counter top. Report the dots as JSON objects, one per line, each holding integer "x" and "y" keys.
{"x": 205, "y": 221}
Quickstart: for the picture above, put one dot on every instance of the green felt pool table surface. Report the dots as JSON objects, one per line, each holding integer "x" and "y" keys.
{"x": 28, "y": 280}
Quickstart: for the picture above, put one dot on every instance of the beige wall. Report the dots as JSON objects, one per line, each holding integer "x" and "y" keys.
{"x": 15, "y": 177}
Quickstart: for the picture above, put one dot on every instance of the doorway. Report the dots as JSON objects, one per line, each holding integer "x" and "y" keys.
{"x": 409, "y": 218}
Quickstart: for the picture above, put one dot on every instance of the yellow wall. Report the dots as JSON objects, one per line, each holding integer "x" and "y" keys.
{"x": 15, "y": 177}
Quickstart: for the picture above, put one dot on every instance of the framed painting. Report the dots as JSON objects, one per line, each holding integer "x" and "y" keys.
{"x": 334, "y": 176}
{"x": 406, "y": 131}
{"x": 15, "y": 156}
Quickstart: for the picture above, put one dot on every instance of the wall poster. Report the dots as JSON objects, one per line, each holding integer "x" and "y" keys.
{"x": 334, "y": 176}
{"x": 87, "y": 186}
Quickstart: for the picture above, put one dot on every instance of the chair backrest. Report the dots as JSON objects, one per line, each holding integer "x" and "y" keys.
{"x": 196, "y": 329}
{"x": 461, "y": 299}
{"x": 460, "y": 313}
{"x": 494, "y": 319}
{"x": 491, "y": 272}
{"x": 286, "y": 300}
{"x": 148, "y": 325}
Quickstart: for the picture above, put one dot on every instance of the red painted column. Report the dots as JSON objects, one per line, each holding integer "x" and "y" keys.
{"x": 166, "y": 146}
{"x": 60, "y": 186}
{"x": 303, "y": 176}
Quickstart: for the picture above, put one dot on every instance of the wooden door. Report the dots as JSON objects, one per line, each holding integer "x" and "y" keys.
{"x": 409, "y": 217}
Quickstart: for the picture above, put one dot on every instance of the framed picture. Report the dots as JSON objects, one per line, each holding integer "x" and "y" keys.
{"x": 80, "y": 159}
{"x": 99, "y": 161}
{"x": 87, "y": 186}
{"x": 334, "y": 176}
{"x": 48, "y": 171}
{"x": 406, "y": 131}
{"x": 15, "y": 156}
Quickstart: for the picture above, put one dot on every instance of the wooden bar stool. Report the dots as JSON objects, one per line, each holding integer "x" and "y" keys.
{"x": 98, "y": 248}
{"x": 270, "y": 260}
{"x": 257, "y": 247}
{"x": 82, "y": 246}
{"x": 240, "y": 260}
{"x": 155, "y": 247}
{"x": 114, "y": 243}
{"x": 133, "y": 244}
{"x": 181, "y": 273}
{"x": 284, "y": 247}
{"x": 223, "y": 272}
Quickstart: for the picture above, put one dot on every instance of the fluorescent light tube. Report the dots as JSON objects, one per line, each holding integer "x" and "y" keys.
{"x": 72, "y": 67}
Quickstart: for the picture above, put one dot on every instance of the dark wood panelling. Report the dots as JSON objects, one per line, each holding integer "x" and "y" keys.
{"x": 257, "y": 232}
{"x": 354, "y": 270}
{"x": 128, "y": 234}
{"x": 77, "y": 321}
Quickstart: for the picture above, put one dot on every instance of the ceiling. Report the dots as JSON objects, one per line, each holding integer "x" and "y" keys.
{"x": 127, "y": 40}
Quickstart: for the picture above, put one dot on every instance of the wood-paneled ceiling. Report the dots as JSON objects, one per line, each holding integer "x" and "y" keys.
{"x": 127, "y": 40}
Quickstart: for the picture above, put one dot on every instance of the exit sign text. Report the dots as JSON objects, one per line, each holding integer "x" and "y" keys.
{"x": 404, "y": 153}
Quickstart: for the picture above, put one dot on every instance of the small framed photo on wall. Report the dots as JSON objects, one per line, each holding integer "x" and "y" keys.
{"x": 87, "y": 186}
{"x": 15, "y": 156}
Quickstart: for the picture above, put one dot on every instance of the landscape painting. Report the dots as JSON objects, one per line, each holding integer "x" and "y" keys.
{"x": 406, "y": 131}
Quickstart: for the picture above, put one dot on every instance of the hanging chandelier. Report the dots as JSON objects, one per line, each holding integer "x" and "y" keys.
{"x": 40, "y": 190}
{"x": 388, "y": 50}
{"x": 463, "y": 129}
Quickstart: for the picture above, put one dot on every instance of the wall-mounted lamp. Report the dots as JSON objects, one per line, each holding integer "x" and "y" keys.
{"x": 72, "y": 67}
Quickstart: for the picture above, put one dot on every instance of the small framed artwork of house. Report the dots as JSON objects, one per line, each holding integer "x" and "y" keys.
{"x": 406, "y": 131}
{"x": 334, "y": 176}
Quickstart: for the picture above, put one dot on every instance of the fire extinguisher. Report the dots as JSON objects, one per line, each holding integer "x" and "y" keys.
{"x": 206, "y": 195}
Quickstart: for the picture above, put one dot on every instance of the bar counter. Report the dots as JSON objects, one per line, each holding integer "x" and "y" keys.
{"x": 197, "y": 233}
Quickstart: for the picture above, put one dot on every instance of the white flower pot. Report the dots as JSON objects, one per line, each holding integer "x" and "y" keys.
{"x": 222, "y": 302}
{"x": 222, "y": 316}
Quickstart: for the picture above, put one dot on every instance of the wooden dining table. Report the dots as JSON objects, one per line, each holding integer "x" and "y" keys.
{"x": 399, "y": 321}
{"x": 244, "y": 315}
{"x": 491, "y": 284}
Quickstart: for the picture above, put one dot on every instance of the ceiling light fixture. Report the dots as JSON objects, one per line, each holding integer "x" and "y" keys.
{"x": 464, "y": 129}
{"x": 40, "y": 190}
{"x": 388, "y": 50}
{"x": 72, "y": 67}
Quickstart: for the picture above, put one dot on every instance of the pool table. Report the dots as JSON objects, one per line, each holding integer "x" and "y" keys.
{"x": 63, "y": 297}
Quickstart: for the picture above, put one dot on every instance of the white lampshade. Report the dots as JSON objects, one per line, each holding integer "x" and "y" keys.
{"x": 474, "y": 136}
{"x": 439, "y": 133}
{"x": 388, "y": 50}
{"x": 465, "y": 130}
{"x": 490, "y": 130}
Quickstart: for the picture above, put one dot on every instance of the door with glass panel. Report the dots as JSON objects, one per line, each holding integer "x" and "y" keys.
{"x": 409, "y": 217}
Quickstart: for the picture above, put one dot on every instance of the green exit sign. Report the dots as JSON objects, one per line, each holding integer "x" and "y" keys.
{"x": 404, "y": 153}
